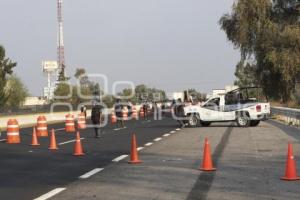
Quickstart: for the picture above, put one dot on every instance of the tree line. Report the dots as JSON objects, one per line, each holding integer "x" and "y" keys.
{"x": 93, "y": 89}
{"x": 137, "y": 95}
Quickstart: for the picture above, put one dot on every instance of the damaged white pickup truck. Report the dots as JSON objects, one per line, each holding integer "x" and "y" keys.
{"x": 237, "y": 105}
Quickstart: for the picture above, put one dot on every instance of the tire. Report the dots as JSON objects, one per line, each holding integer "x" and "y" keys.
{"x": 193, "y": 120}
{"x": 242, "y": 119}
{"x": 254, "y": 123}
{"x": 205, "y": 124}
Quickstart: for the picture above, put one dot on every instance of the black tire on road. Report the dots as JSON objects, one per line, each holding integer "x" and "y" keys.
{"x": 193, "y": 120}
{"x": 254, "y": 122}
{"x": 242, "y": 119}
{"x": 205, "y": 124}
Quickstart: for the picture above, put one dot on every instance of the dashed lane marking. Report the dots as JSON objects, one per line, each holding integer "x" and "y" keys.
{"x": 70, "y": 141}
{"x": 173, "y": 132}
{"x": 147, "y": 121}
{"x": 166, "y": 135}
{"x": 59, "y": 129}
{"x": 117, "y": 129}
{"x": 140, "y": 148}
{"x": 91, "y": 173}
{"x": 50, "y": 194}
{"x": 157, "y": 139}
{"x": 120, "y": 158}
{"x": 177, "y": 129}
{"x": 148, "y": 144}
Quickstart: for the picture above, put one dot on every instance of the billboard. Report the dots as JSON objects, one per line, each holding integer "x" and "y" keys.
{"x": 49, "y": 66}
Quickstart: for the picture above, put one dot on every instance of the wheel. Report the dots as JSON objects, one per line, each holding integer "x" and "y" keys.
{"x": 254, "y": 122}
{"x": 205, "y": 124}
{"x": 193, "y": 120}
{"x": 243, "y": 119}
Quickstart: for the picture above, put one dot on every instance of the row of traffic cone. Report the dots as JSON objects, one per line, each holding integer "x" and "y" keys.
{"x": 207, "y": 163}
{"x": 78, "y": 150}
{"x": 290, "y": 171}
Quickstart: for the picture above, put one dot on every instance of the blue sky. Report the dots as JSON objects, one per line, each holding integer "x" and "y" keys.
{"x": 168, "y": 44}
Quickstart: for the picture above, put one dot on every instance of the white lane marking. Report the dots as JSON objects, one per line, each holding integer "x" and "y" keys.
{"x": 60, "y": 129}
{"x": 157, "y": 139}
{"x": 13, "y": 133}
{"x": 148, "y": 144}
{"x": 117, "y": 129}
{"x": 91, "y": 173}
{"x": 140, "y": 148}
{"x": 177, "y": 129}
{"x": 50, "y": 194}
{"x": 2, "y": 140}
{"x": 12, "y": 126}
{"x": 70, "y": 141}
{"x": 166, "y": 135}
{"x": 173, "y": 132}
{"x": 120, "y": 158}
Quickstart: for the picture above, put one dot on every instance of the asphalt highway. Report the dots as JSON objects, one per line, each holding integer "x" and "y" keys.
{"x": 249, "y": 161}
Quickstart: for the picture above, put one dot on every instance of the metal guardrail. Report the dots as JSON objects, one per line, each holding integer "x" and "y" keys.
{"x": 287, "y": 112}
{"x": 290, "y": 116}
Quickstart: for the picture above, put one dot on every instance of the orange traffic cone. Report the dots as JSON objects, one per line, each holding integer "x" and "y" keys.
{"x": 290, "y": 170}
{"x": 34, "y": 141}
{"x": 113, "y": 118}
{"x": 78, "y": 151}
{"x": 134, "y": 157}
{"x": 53, "y": 145}
{"x": 207, "y": 164}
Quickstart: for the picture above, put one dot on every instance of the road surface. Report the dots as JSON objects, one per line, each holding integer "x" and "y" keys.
{"x": 249, "y": 161}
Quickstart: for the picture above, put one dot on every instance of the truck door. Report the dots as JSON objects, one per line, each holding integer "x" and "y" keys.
{"x": 211, "y": 110}
{"x": 231, "y": 104}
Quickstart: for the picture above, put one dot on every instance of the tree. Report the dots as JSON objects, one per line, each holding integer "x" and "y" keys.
{"x": 108, "y": 100}
{"x": 141, "y": 92}
{"x": 6, "y": 66}
{"x": 81, "y": 75}
{"x": 197, "y": 95}
{"x": 269, "y": 33}
{"x": 79, "y": 72}
{"x": 246, "y": 74}
{"x": 62, "y": 92}
{"x": 17, "y": 92}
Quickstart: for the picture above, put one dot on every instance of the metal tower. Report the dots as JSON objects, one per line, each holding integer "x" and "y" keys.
{"x": 60, "y": 40}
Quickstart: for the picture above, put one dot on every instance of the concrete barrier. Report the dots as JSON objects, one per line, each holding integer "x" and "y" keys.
{"x": 31, "y": 119}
